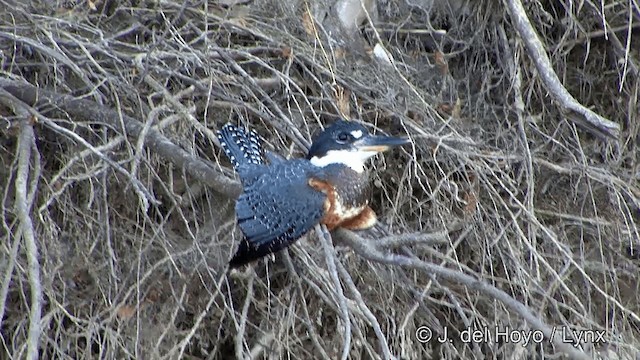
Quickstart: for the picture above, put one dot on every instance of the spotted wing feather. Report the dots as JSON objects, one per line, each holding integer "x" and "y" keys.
{"x": 273, "y": 217}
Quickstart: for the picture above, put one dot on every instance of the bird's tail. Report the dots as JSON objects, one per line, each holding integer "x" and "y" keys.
{"x": 241, "y": 146}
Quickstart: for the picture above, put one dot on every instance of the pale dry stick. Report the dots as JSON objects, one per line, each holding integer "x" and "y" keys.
{"x": 446, "y": 258}
{"x": 404, "y": 192}
{"x": 461, "y": 312}
{"x": 322, "y": 276}
{"x": 186, "y": 112}
{"x": 313, "y": 334}
{"x": 598, "y": 174}
{"x": 321, "y": 293}
{"x": 138, "y": 283}
{"x": 10, "y": 264}
{"x": 36, "y": 176}
{"x": 160, "y": 55}
{"x": 330, "y": 256}
{"x": 626, "y": 49}
{"x": 594, "y": 221}
{"x": 596, "y": 212}
{"x": 576, "y": 169}
{"x": 519, "y": 108}
{"x": 547, "y": 298}
{"x": 242, "y": 325}
{"x": 106, "y": 225}
{"x": 226, "y": 22}
{"x": 25, "y": 144}
{"x": 319, "y": 41}
{"x": 261, "y": 344}
{"x": 368, "y": 315}
{"x": 89, "y": 327}
{"x": 631, "y": 227}
{"x": 169, "y": 328}
{"x": 353, "y": 306}
{"x": 159, "y": 232}
{"x": 320, "y": 85}
{"x": 69, "y": 164}
{"x": 423, "y": 239}
{"x": 70, "y": 22}
{"x": 87, "y": 54}
{"x": 23, "y": 204}
{"x": 106, "y": 229}
{"x": 365, "y": 343}
{"x": 592, "y": 172}
{"x": 81, "y": 72}
{"x": 588, "y": 119}
{"x": 152, "y": 117}
{"x": 366, "y": 250}
{"x": 596, "y": 34}
{"x": 450, "y": 257}
{"x": 440, "y": 142}
{"x": 9, "y": 101}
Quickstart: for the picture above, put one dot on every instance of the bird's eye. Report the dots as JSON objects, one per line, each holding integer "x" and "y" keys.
{"x": 343, "y": 137}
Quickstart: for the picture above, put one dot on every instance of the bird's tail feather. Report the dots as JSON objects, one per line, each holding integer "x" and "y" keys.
{"x": 241, "y": 146}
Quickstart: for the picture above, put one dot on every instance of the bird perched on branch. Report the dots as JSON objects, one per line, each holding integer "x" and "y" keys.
{"x": 283, "y": 200}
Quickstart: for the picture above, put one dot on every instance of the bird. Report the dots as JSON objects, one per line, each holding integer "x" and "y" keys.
{"x": 283, "y": 200}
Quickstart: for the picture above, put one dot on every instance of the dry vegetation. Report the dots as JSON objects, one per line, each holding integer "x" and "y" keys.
{"x": 517, "y": 204}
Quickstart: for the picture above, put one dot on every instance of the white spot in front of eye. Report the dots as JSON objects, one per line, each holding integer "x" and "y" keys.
{"x": 356, "y": 134}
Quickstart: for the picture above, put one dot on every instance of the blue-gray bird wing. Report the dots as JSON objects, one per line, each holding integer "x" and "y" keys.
{"x": 276, "y": 210}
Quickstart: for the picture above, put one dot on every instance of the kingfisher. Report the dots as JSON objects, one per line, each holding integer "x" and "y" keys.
{"x": 284, "y": 199}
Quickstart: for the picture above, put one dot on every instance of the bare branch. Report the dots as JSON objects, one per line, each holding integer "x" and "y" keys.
{"x": 25, "y": 145}
{"x": 579, "y": 114}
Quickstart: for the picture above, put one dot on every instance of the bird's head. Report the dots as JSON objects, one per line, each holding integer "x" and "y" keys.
{"x": 350, "y": 144}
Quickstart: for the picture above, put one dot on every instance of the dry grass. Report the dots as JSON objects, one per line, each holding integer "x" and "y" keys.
{"x": 115, "y": 246}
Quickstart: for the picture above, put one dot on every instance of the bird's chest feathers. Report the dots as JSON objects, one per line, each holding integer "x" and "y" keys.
{"x": 347, "y": 193}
